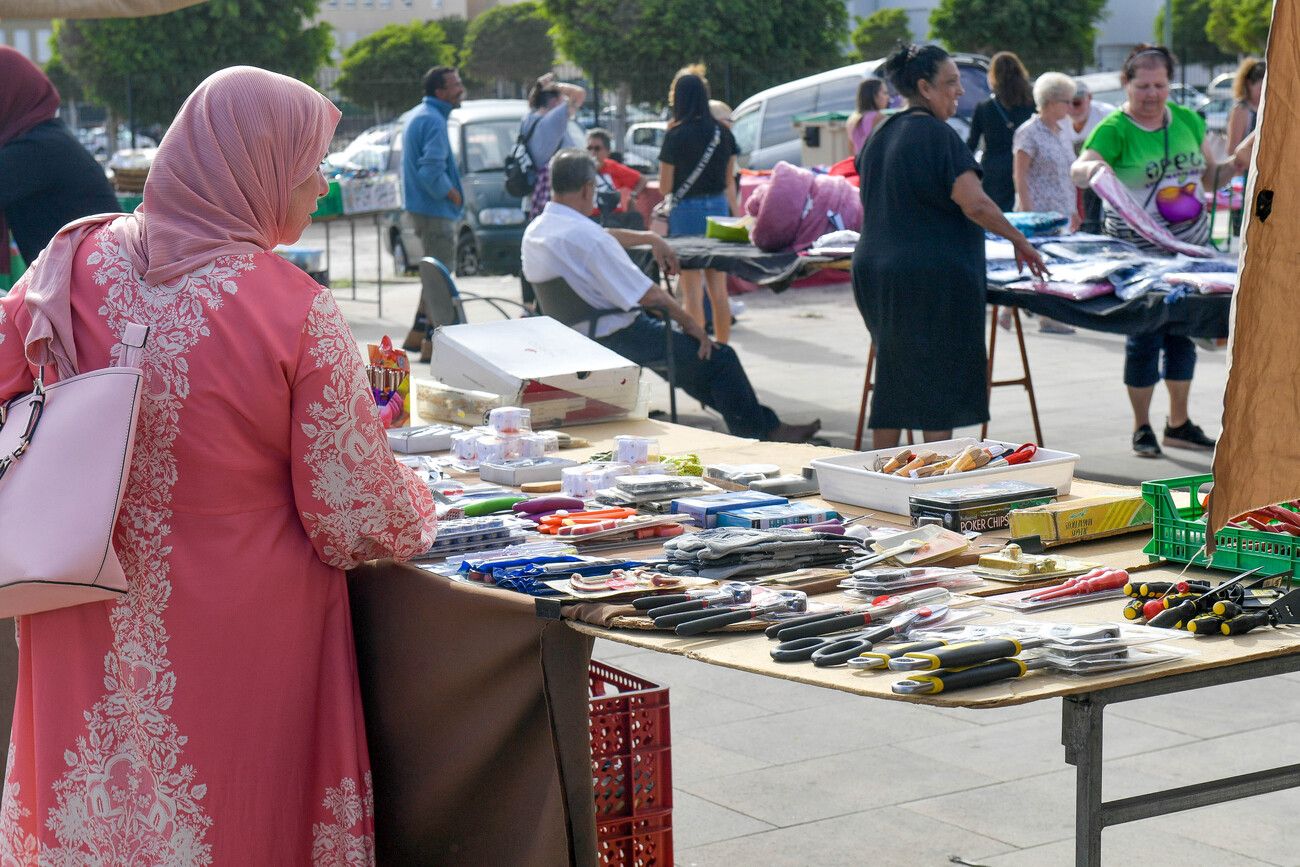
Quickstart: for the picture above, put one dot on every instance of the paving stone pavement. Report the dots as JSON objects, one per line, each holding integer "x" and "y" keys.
{"x": 773, "y": 773}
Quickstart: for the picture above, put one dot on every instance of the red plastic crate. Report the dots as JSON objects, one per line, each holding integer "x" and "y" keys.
{"x": 642, "y": 841}
{"x": 631, "y": 767}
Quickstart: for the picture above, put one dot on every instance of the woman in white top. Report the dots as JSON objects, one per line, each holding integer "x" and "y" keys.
{"x": 1043, "y": 152}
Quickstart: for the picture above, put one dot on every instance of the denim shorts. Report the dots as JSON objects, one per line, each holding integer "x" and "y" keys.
{"x": 688, "y": 215}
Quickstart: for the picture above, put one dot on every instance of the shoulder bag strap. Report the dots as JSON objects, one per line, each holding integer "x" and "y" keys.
{"x": 694, "y": 176}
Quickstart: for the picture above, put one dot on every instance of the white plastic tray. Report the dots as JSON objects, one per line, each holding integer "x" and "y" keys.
{"x": 849, "y": 479}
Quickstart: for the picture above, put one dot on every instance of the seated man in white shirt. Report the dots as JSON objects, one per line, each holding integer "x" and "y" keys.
{"x": 562, "y": 242}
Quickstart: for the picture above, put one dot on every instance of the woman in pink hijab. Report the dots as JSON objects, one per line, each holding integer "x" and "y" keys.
{"x": 212, "y": 715}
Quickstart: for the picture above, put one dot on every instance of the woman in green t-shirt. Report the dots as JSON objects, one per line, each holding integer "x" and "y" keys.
{"x": 1158, "y": 150}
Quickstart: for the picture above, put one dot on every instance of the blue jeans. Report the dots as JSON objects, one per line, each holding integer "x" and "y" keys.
{"x": 1142, "y": 358}
{"x": 689, "y": 216}
{"x": 718, "y": 382}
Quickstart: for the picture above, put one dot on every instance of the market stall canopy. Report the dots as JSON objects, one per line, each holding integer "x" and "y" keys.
{"x": 1258, "y": 457}
{"x": 90, "y": 8}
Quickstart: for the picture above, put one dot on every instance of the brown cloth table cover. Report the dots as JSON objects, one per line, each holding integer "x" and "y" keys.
{"x": 477, "y": 720}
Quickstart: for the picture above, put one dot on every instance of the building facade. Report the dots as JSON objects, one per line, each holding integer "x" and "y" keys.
{"x": 31, "y": 36}
{"x": 355, "y": 19}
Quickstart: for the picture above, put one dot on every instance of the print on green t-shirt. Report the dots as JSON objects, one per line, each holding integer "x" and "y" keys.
{"x": 1163, "y": 167}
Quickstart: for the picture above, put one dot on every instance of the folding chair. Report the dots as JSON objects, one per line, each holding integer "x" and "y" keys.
{"x": 556, "y": 299}
{"x": 444, "y": 304}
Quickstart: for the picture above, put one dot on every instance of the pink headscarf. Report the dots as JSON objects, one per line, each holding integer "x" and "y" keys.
{"x": 219, "y": 185}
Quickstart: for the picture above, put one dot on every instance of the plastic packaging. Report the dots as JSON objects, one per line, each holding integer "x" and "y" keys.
{"x": 581, "y": 481}
{"x": 510, "y": 420}
{"x": 464, "y": 446}
{"x": 633, "y": 450}
{"x": 437, "y": 401}
{"x": 876, "y": 582}
{"x": 491, "y": 449}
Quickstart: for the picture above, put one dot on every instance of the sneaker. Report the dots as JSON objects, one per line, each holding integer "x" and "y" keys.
{"x": 1188, "y": 436}
{"x": 1144, "y": 442}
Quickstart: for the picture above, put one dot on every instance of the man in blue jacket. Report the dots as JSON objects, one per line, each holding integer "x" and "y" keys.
{"x": 430, "y": 180}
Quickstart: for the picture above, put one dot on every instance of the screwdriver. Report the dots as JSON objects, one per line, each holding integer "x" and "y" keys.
{"x": 1283, "y": 611}
{"x": 1184, "y": 611}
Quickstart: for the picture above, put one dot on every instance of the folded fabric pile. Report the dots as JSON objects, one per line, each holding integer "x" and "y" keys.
{"x": 737, "y": 552}
{"x": 798, "y": 206}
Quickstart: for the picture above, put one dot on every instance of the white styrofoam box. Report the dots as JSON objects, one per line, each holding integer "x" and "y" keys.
{"x": 539, "y": 364}
{"x": 520, "y": 472}
{"x": 850, "y": 479}
{"x": 422, "y": 438}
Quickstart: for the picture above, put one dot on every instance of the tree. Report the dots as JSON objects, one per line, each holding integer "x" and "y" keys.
{"x": 384, "y": 69}
{"x": 455, "y": 27}
{"x": 1192, "y": 43}
{"x": 509, "y": 43}
{"x": 747, "y": 44}
{"x": 1240, "y": 25}
{"x": 880, "y": 33}
{"x": 1046, "y": 34}
{"x": 164, "y": 57}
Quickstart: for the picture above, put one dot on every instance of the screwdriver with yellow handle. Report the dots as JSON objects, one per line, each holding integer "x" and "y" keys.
{"x": 1284, "y": 611}
{"x": 968, "y": 653}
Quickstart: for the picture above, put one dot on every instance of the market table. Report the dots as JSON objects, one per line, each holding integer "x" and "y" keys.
{"x": 775, "y": 271}
{"x": 1262, "y": 653}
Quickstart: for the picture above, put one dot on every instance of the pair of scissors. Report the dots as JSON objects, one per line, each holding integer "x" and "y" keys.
{"x": 1021, "y": 455}
{"x": 831, "y": 650}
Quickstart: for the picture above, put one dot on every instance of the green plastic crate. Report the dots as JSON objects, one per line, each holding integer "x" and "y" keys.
{"x": 330, "y": 204}
{"x": 1178, "y": 533}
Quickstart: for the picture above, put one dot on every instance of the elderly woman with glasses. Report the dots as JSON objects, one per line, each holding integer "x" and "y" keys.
{"x": 1043, "y": 154}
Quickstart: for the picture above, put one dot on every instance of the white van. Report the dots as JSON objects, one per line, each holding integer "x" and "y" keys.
{"x": 764, "y": 124}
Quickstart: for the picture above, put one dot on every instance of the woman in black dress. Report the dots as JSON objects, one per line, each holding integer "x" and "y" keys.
{"x": 47, "y": 178}
{"x": 996, "y": 120}
{"x": 918, "y": 271}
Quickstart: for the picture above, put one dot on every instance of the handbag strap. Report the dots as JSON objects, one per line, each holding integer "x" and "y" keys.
{"x": 131, "y": 351}
{"x": 694, "y": 176}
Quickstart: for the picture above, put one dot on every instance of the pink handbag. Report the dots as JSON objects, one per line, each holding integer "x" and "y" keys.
{"x": 65, "y": 454}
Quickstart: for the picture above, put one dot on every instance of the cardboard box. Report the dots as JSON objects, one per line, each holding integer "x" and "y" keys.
{"x": 704, "y": 510}
{"x": 767, "y": 517}
{"x": 540, "y": 364}
{"x": 1077, "y": 520}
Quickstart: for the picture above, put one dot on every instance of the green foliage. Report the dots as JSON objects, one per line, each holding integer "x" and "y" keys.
{"x": 1240, "y": 25}
{"x": 880, "y": 32}
{"x": 1191, "y": 42}
{"x": 454, "y": 28}
{"x": 166, "y": 56}
{"x": 509, "y": 43}
{"x": 385, "y": 69}
{"x": 1046, "y": 34}
{"x": 748, "y": 44}
{"x": 67, "y": 84}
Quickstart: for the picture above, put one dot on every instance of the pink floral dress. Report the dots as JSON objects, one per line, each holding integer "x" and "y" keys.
{"x": 212, "y": 716}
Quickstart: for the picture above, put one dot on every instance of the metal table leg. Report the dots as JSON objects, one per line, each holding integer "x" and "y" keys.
{"x": 1081, "y": 734}
{"x": 352, "y": 249}
{"x": 379, "y": 266}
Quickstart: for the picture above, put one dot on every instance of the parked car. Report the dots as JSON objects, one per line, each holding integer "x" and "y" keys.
{"x": 1216, "y": 113}
{"x": 1221, "y": 86}
{"x": 95, "y": 140}
{"x": 1107, "y": 87}
{"x": 369, "y": 151}
{"x": 764, "y": 123}
{"x": 642, "y": 143}
{"x": 482, "y": 132}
